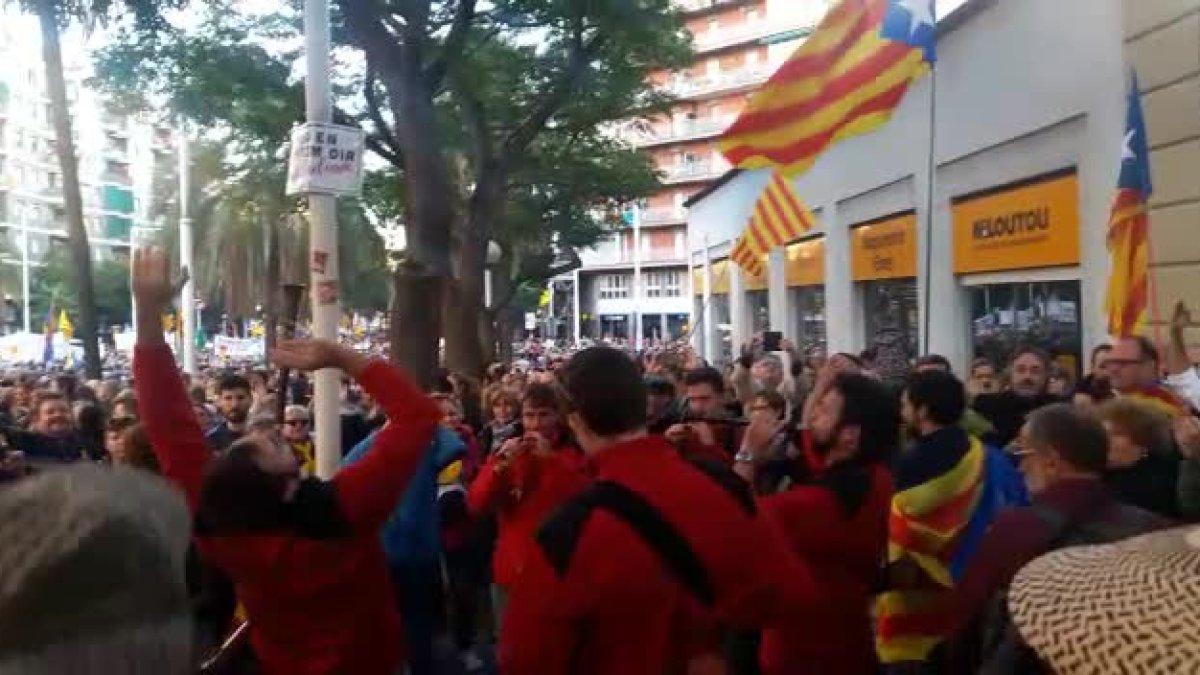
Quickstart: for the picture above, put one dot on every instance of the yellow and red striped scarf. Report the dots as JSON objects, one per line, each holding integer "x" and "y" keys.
{"x": 1160, "y": 398}
{"x": 923, "y": 527}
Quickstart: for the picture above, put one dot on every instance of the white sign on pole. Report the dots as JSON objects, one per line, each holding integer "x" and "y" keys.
{"x": 325, "y": 159}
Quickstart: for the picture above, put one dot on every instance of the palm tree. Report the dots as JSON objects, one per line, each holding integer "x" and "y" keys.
{"x": 53, "y": 16}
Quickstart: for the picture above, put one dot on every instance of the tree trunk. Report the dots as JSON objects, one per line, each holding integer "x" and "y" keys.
{"x": 77, "y": 236}
{"x": 464, "y": 307}
{"x": 416, "y": 323}
{"x": 487, "y": 335}
{"x": 464, "y": 350}
{"x": 271, "y": 309}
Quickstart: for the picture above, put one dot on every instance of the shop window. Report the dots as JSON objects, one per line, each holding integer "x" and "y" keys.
{"x": 807, "y": 306}
{"x": 1044, "y": 314}
{"x": 892, "y": 328}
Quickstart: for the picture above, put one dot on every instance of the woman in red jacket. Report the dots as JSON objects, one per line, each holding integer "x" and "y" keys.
{"x": 524, "y": 480}
{"x": 304, "y": 555}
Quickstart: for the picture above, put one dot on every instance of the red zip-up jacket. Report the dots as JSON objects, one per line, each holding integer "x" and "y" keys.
{"x": 616, "y": 610}
{"x": 838, "y": 521}
{"x": 522, "y": 495}
{"x": 315, "y": 606}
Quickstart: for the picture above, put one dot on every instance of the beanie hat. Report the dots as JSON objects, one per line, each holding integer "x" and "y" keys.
{"x": 86, "y": 550}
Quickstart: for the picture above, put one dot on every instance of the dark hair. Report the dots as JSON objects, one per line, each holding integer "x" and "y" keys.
{"x": 67, "y": 384}
{"x": 1078, "y": 437}
{"x": 1041, "y": 355}
{"x": 774, "y": 400}
{"x": 657, "y": 385}
{"x": 232, "y": 382}
{"x": 982, "y": 362}
{"x": 238, "y": 496}
{"x": 1145, "y": 347}
{"x": 138, "y": 451}
{"x": 542, "y": 395}
{"x": 1145, "y": 425}
{"x": 1097, "y": 350}
{"x": 936, "y": 360}
{"x": 940, "y": 393}
{"x": 870, "y": 406}
{"x": 603, "y": 386}
{"x": 42, "y": 397}
{"x": 705, "y": 375}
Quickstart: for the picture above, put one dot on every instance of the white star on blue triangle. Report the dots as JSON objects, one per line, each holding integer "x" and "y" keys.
{"x": 912, "y": 22}
{"x": 1135, "y": 160}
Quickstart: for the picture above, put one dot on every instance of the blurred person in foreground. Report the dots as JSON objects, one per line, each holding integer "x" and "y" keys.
{"x": 836, "y": 519}
{"x": 1144, "y": 462}
{"x": 1063, "y": 453}
{"x": 631, "y": 576}
{"x": 91, "y": 575}
{"x": 304, "y": 554}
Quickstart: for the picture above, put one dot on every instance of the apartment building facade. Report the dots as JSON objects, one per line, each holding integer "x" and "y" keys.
{"x": 118, "y": 157}
{"x": 637, "y": 282}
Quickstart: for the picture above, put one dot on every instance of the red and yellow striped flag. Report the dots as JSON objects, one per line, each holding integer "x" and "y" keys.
{"x": 1128, "y": 296}
{"x": 844, "y": 80}
{"x": 779, "y": 217}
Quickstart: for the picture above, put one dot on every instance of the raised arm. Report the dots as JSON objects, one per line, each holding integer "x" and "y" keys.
{"x": 368, "y": 489}
{"x": 167, "y": 415}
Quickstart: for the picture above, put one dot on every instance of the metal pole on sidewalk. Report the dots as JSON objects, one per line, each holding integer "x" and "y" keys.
{"x": 187, "y": 254}
{"x": 322, "y": 218}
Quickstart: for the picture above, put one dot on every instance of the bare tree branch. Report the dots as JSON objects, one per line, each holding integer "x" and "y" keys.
{"x": 580, "y": 53}
{"x": 375, "y": 111}
{"x": 464, "y": 16}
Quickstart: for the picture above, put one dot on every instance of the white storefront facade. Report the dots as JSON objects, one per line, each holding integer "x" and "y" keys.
{"x": 1029, "y": 118}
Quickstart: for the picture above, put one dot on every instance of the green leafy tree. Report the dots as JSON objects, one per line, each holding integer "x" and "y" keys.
{"x": 478, "y": 108}
{"x": 53, "y": 17}
{"x": 53, "y": 282}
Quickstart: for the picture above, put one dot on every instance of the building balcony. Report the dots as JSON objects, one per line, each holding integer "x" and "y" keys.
{"x": 689, "y": 130}
{"x": 721, "y": 83}
{"x": 664, "y": 215}
{"x": 688, "y": 172}
{"x": 732, "y": 36}
{"x": 691, "y": 7}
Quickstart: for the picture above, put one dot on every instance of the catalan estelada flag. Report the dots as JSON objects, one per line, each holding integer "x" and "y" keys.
{"x": 779, "y": 216}
{"x": 1129, "y": 228}
{"x": 844, "y": 80}
{"x": 924, "y": 528}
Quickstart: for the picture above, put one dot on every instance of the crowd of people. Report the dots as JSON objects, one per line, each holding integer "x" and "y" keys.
{"x": 604, "y": 512}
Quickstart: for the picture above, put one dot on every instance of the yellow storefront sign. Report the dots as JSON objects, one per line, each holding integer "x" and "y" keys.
{"x": 805, "y": 264}
{"x": 720, "y": 278}
{"x": 1032, "y": 225}
{"x": 884, "y": 249}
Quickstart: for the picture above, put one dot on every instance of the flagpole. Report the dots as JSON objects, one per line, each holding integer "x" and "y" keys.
{"x": 930, "y": 185}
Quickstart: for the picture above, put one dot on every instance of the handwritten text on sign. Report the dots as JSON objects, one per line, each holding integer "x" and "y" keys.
{"x": 326, "y": 159}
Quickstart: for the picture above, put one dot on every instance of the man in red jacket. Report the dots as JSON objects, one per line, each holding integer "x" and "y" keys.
{"x": 627, "y": 577}
{"x": 304, "y": 555}
{"x": 836, "y": 519}
{"x": 523, "y": 481}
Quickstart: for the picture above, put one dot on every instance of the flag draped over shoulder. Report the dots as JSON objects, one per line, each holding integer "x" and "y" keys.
{"x": 925, "y": 526}
{"x": 844, "y": 80}
{"x": 779, "y": 216}
{"x": 1128, "y": 293}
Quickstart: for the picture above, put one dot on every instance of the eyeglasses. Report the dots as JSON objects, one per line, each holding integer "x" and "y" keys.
{"x": 1124, "y": 362}
{"x": 296, "y": 423}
